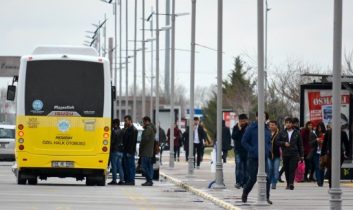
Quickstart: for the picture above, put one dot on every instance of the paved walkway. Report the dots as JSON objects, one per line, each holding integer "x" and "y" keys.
{"x": 304, "y": 196}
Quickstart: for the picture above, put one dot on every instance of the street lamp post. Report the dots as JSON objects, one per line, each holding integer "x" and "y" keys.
{"x": 157, "y": 68}
{"x": 261, "y": 177}
{"x": 192, "y": 86}
{"x": 335, "y": 191}
{"x": 127, "y": 66}
{"x": 167, "y": 54}
{"x": 219, "y": 184}
{"x": 135, "y": 65}
{"x": 172, "y": 114}
{"x": 143, "y": 61}
{"x": 120, "y": 61}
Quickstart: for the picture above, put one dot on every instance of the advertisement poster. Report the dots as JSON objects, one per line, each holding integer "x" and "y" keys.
{"x": 318, "y": 107}
{"x": 230, "y": 118}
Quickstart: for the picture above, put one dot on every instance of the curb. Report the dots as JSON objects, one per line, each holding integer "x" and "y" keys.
{"x": 200, "y": 193}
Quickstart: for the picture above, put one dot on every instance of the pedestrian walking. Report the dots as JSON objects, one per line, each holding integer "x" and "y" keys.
{"x": 292, "y": 150}
{"x": 309, "y": 139}
{"x": 116, "y": 153}
{"x": 274, "y": 157}
{"x": 226, "y": 138}
{"x": 320, "y": 135}
{"x": 327, "y": 151}
{"x": 185, "y": 140}
{"x": 241, "y": 155}
{"x": 162, "y": 142}
{"x": 177, "y": 141}
{"x": 250, "y": 143}
{"x": 146, "y": 150}
{"x": 199, "y": 141}
{"x": 129, "y": 145}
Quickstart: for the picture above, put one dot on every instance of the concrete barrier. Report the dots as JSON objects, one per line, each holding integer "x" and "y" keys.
{"x": 200, "y": 193}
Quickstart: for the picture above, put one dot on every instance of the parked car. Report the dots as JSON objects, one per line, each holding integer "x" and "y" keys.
{"x": 7, "y": 142}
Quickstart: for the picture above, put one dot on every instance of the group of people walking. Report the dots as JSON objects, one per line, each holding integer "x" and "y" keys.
{"x": 292, "y": 145}
{"x": 123, "y": 150}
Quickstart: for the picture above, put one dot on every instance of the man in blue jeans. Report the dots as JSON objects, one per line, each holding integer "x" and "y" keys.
{"x": 116, "y": 153}
{"x": 241, "y": 155}
{"x": 250, "y": 143}
{"x": 146, "y": 150}
{"x": 129, "y": 142}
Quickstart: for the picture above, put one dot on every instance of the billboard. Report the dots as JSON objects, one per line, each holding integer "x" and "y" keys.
{"x": 9, "y": 66}
{"x": 318, "y": 106}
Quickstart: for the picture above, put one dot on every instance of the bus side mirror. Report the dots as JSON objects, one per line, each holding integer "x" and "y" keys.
{"x": 11, "y": 92}
{"x": 113, "y": 93}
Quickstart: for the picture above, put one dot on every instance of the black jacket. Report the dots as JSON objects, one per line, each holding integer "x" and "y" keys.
{"x": 237, "y": 134}
{"x": 327, "y": 144}
{"x": 116, "y": 144}
{"x": 185, "y": 139}
{"x": 202, "y": 134}
{"x": 296, "y": 143}
{"x": 130, "y": 140}
{"x": 226, "y": 145}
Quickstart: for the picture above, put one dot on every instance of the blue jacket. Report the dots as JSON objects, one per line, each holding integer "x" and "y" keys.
{"x": 250, "y": 140}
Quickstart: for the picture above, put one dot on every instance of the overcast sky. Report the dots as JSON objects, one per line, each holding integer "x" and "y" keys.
{"x": 298, "y": 30}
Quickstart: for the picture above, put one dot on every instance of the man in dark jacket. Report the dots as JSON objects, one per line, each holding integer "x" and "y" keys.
{"x": 239, "y": 151}
{"x": 129, "y": 142}
{"x": 199, "y": 141}
{"x": 162, "y": 142}
{"x": 146, "y": 150}
{"x": 292, "y": 150}
{"x": 116, "y": 153}
{"x": 185, "y": 141}
{"x": 225, "y": 141}
{"x": 250, "y": 143}
{"x": 327, "y": 150}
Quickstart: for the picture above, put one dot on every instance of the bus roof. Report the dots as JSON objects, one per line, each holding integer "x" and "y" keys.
{"x": 89, "y": 51}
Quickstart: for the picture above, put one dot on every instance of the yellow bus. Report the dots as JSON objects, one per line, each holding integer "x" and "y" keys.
{"x": 63, "y": 122}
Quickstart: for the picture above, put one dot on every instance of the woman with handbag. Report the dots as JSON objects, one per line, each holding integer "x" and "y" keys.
{"x": 317, "y": 144}
{"x": 327, "y": 150}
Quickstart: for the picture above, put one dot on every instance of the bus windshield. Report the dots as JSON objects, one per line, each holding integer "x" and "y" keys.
{"x": 64, "y": 88}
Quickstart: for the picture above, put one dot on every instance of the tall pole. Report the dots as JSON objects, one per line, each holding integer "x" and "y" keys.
{"x": 151, "y": 98}
{"x": 120, "y": 62}
{"x": 105, "y": 36}
{"x": 335, "y": 191}
{"x": 157, "y": 67}
{"x": 135, "y": 65}
{"x": 167, "y": 53}
{"x": 192, "y": 89}
{"x": 266, "y": 91}
{"x": 143, "y": 61}
{"x": 127, "y": 62}
{"x": 172, "y": 114}
{"x": 116, "y": 60}
{"x": 261, "y": 177}
{"x": 219, "y": 167}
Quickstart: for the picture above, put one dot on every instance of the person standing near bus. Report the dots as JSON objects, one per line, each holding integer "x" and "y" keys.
{"x": 146, "y": 150}
{"x": 116, "y": 153}
{"x": 129, "y": 142}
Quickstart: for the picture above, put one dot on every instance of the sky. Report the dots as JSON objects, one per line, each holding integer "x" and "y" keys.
{"x": 298, "y": 30}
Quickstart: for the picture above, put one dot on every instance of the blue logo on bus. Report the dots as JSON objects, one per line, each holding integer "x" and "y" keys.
{"x": 37, "y": 105}
{"x": 63, "y": 125}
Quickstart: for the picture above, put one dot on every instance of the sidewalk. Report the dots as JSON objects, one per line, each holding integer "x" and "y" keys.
{"x": 304, "y": 196}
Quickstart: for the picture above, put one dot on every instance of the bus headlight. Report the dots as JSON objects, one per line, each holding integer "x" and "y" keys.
{"x": 21, "y": 140}
{"x": 105, "y": 142}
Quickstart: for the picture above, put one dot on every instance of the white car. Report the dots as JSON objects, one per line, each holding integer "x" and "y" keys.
{"x": 7, "y": 142}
